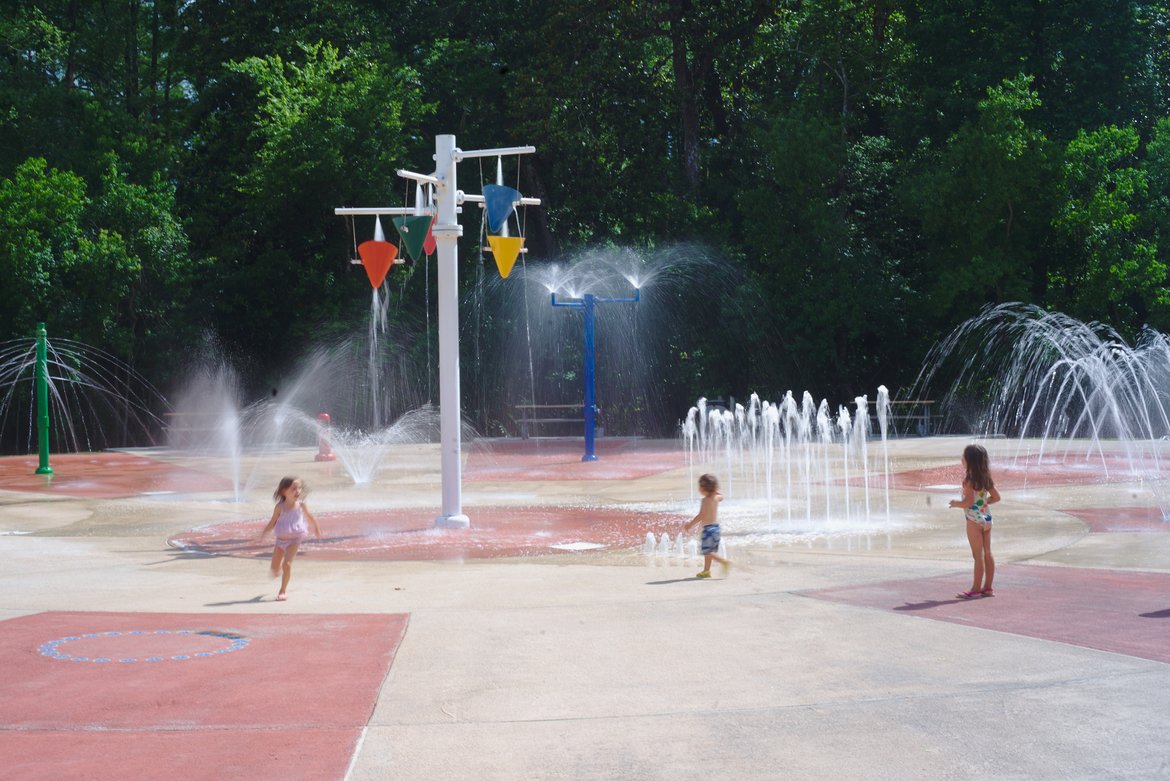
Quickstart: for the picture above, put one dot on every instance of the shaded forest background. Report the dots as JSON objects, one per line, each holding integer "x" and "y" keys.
{"x": 867, "y": 174}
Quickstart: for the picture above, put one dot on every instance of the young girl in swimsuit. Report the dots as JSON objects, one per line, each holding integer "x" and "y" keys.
{"x": 288, "y": 519}
{"x": 978, "y": 495}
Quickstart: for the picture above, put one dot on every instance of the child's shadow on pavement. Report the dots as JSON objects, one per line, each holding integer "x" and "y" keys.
{"x": 927, "y": 605}
{"x": 253, "y": 601}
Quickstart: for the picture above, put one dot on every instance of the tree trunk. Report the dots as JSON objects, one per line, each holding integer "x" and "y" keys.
{"x": 71, "y": 29}
{"x": 172, "y": 22}
{"x": 152, "y": 77}
{"x": 688, "y": 104}
{"x": 544, "y": 239}
{"x": 130, "y": 53}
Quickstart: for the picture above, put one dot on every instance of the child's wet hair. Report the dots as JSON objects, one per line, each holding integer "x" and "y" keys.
{"x": 709, "y": 483}
{"x": 285, "y": 483}
{"x": 978, "y": 467}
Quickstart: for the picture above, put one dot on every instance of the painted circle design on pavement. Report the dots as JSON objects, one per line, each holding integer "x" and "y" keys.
{"x": 235, "y": 642}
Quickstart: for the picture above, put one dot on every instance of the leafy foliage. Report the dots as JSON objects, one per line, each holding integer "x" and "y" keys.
{"x": 869, "y": 173}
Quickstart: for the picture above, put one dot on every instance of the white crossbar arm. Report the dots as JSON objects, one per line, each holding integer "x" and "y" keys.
{"x": 460, "y": 155}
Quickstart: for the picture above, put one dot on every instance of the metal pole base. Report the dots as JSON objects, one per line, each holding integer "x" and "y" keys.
{"x": 452, "y": 522}
{"x": 589, "y": 457}
{"x": 44, "y": 470}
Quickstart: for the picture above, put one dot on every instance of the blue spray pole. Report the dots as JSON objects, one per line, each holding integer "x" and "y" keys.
{"x": 587, "y": 304}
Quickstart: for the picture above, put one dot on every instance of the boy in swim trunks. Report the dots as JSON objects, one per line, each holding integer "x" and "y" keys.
{"x": 709, "y": 518}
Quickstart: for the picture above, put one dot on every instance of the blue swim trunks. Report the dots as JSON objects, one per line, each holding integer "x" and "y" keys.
{"x": 710, "y": 539}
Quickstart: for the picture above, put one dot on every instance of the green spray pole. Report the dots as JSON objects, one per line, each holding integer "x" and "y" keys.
{"x": 42, "y": 383}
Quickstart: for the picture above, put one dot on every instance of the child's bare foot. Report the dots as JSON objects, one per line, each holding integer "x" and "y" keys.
{"x": 281, "y": 597}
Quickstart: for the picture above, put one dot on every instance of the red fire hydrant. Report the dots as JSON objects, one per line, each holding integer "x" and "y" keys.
{"x": 324, "y": 449}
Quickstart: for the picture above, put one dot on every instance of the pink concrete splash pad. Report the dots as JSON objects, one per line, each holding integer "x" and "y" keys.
{"x": 105, "y": 475}
{"x": 164, "y": 695}
{"x": 560, "y": 459}
{"x": 1036, "y": 472}
{"x": 1110, "y": 610}
{"x": 1103, "y": 520}
{"x": 400, "y": 534}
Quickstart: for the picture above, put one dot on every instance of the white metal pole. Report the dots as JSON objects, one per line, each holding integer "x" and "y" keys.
{"x": 447, "y": 231}
{"x": 446, "y": 197}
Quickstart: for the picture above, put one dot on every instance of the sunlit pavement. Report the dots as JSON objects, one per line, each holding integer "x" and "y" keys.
{"x": 546, "y": 644}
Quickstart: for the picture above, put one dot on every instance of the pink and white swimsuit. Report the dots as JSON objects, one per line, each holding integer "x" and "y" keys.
{"x": 290, "y": 527}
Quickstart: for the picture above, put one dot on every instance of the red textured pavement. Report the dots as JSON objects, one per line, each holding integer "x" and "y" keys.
{"x": 409, "y": 534}
{"x": 1123, "y": 612}
{"x": 109, "y": 475}
{"x": 1121, "y": 519}
{"x": 272, "y": 696}
{"x": 106, "y": 475}
{"x": 560, "y": 459}
{"x": 1053, "y": 470}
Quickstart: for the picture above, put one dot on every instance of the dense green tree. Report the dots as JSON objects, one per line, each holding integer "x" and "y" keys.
{"x": 41, "y": 210}
{"x": 325, "y": 130}
{"x": 824, "y": 298}
{"x": 984, "y": 208}
{"x": 154, "y": 297}
{"x": 1088, "y": 57}
{"x": 78, "y": 80}
{"x": 1110, "y": 270}
{"x": 862, "y": 174}
{"x": 1155, "y": 218}
{"x": 105, "y": 268}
